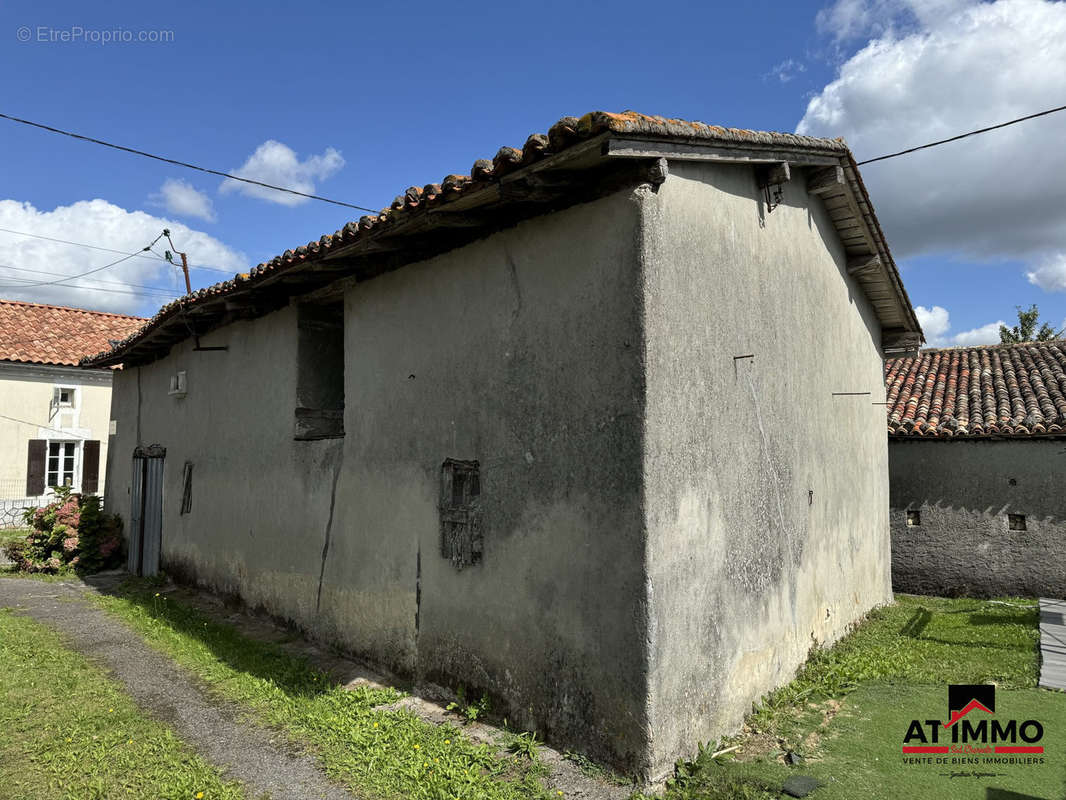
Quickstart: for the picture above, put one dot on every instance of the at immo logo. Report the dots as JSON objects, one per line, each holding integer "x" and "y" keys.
{"x": 972, "y": 727}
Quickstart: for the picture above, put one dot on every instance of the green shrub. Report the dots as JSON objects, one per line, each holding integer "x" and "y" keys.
{"x": 71, "y": 532}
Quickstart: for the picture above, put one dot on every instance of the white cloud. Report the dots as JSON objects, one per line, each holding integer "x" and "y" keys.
{"x": 787, "y": 70}
{"x": 277, "y": 164}
{"x": 936, "y": 322}
{"x": 936, "y": 69}
{"x": 1050, "y": 274}
{"x": 25, "y": 260}
{"x": 846, "y": 20}
{"x": 986, "y": 334}
{"x": 850, "y": 19}
{"x": 182, "y": 198}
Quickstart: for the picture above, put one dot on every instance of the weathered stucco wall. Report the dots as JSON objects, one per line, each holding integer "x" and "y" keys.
{"x": 260, "y": 501}
{"x": 964, "y": 492}
{"x": 766, "y": 496}
{"x": 522, "y": 351}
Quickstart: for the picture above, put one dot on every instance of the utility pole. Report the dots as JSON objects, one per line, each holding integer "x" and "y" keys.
{"x": 184, "y": 261}
{"x": 188, "y": 290}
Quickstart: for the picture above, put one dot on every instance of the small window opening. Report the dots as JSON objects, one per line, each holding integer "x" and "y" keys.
{"x": 186, "y": 488}
{"x": 66, "y": 397}
{"x": 460, "y": 512}
{"x": 1016, "y": 522}
{"x": 914, "y": 518}
{"x": 320, "y": 371}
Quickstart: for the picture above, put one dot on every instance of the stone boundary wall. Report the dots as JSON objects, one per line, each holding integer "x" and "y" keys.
{"x": 978, "y": 518}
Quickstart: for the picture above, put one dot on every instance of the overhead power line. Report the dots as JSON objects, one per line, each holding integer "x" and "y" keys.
{"x": 68, "y": 434}
{"x": 126, "y": 257}
{"x": 155, "y": 296}
{"x": 111, "y": 250}
{"x": 152, "y": 294}
{"x": 122, "y": 285}
{"x": 183, "y": 163}
{"x": 964, "y": 135}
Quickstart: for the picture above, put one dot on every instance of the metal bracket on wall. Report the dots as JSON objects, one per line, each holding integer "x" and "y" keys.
{"x": 737, "y": 360}
{"x": 772, "y": 179}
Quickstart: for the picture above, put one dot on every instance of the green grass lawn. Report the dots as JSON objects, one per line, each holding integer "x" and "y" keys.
{"x": 390, "y": 754}
{"x": 67, "y": 731}
{"x": 849, "y": 708}
{"x": 845, "y": 714}
{"x": 11, "y": 534}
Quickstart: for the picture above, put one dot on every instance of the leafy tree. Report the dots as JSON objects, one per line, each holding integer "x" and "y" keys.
{"x": 1024, "y": 330}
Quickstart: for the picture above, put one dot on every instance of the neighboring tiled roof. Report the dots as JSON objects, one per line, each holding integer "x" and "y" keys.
{"x": 408, "y": 211}
{"x": 994, "y": 390}
{"x": 34, "y": 333}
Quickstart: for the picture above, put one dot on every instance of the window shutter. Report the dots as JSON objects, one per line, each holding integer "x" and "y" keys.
{"x": 90, "y": 467}
{"x": 35, "y": 467}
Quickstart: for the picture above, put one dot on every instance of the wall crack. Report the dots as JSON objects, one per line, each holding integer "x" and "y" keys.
{"x": 329, "y": 524}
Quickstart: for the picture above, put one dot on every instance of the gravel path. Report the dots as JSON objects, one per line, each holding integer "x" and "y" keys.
{"x": 265, "y": 764}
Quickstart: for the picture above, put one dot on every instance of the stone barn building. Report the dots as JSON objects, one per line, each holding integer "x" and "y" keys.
{"x": 592, "y": 430}
{"x": 977, "y": 458}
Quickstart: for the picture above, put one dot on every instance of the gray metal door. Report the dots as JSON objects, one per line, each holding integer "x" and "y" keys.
{"x": 146, "y": 510}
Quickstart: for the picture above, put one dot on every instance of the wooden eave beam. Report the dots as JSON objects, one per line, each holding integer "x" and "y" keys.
{"x": 773, "y": 175}
{"x": 900, "y": 339}
{"x": 830, "y": 180}
{"x": 681, "y": 151}
{"x": 866, "y": 263}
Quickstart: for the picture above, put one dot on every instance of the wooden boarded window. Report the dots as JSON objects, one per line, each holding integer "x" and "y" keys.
{"x": 90, "y": 467}
{"x": 35, "y": 462}
{"x": 320, "y": 371}
{"x": 460, "y": 512}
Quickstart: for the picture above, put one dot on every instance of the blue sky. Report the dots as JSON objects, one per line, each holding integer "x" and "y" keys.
{"x": 359, "y": 104}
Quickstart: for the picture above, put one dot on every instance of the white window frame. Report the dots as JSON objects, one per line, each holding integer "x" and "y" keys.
{"x": 75, "y": 475}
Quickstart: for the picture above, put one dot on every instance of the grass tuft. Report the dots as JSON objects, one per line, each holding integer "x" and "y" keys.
{"x": 846, "y": 711}
{"x": 389, "y": 753}
{"x": 919, "y": 640}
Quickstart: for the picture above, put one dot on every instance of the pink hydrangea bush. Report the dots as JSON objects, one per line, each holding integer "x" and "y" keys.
{"x": 72, "y": 532}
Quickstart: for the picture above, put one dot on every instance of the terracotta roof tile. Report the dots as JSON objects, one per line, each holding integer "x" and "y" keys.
{"x": 564, "y": 134}
{"x": 992, "y": 390}
{"x": 34, "y": 333}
